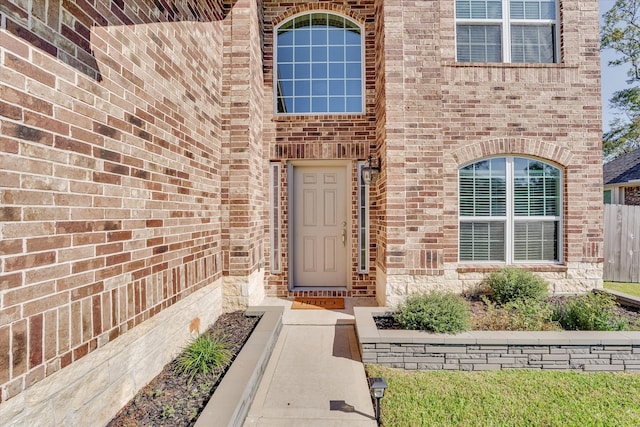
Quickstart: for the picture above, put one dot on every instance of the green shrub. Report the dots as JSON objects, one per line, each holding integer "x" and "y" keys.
{"x": 513, "y": 284}
{"x": 435, "y": 311}
{"x": 519, "y": 315}
{"x": 203, "y": 355}
{"x": 589, "y": 312}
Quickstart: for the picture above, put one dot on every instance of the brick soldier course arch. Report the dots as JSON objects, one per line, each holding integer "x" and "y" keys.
{"x": 524, "y": 146}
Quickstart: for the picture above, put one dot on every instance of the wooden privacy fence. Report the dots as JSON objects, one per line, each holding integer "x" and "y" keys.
{"x": 621, "y": 243}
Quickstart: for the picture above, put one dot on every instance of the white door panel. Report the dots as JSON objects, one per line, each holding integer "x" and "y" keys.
{"x": 320, "y": 233}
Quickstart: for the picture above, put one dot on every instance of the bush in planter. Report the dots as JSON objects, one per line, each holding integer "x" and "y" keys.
{"x": 589, "y": 312}
{"x": 513, "y": 284}
{"x": 436, "y": 311}
{"x": 519, "y": 315}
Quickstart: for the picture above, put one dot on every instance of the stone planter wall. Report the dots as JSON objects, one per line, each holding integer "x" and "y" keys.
{"x": 486, "y": 350}
{"x": 230, "y": 403}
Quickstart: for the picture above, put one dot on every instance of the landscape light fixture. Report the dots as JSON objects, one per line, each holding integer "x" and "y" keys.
{"x": 377, "y": 385}
{"x": 371, "y": 171}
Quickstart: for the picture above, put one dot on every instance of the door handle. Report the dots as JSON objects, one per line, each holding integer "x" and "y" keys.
{"x": 344, "y": 233}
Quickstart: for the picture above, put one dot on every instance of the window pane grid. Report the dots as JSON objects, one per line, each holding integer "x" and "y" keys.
{"x": 479, "y": 9}
{"x": 483, "y": 189}
{"x": 479, "y": 43}
{"x": 533, "y": 9}
{"x": 482, "y": 241}
{"x": 535, "y": 241}
{"x": 532, "y": 43}
{"x": 319, "y": 65}
{"x": 528, "y": 225}
{"x": 536, "y": 188}
{"x": 526, "y": 31}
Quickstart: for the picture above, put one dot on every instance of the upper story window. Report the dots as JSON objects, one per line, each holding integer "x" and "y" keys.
{"x": 510, "y": 211}
{"x": 318, "y": 65}
{"x": 506, "y": 31}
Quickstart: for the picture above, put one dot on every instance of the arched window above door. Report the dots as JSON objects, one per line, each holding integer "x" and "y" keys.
{"x": 318, "y": 65}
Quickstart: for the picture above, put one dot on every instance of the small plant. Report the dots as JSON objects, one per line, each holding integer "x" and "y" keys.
{"x": 589, "y": 312}
{"x": 205, "y": 387}
{"x": 436, "y": 311}
{"x": 168, "y": 412}
{"x": 519, "y": 315}
{"x": 513, "y": 284}
{"x": 203, "y": 355}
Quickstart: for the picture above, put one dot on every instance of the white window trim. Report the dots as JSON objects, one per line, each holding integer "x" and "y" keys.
{"x": 275, "y": 191}
{"x": 505, "y": 26}
{"x": 363, "y": 240}
{"x": 362, "y": 66}
{"x": 510, "y": 218}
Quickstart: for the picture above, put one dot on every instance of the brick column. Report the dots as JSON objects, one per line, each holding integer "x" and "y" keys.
{"x": 243, "y": 188}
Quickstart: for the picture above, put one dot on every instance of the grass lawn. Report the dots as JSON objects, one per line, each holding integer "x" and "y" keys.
{"x": 508, "y": 398}
{"x": 627, "y": 288}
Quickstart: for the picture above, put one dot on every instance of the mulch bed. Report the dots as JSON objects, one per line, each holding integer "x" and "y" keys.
{"x": 479, "y": 309}
{"x": 169, "y": 399}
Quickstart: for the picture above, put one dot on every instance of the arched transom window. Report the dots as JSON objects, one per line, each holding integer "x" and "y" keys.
{"x": 318, "y": 65}
{"x": 510, "y": 211}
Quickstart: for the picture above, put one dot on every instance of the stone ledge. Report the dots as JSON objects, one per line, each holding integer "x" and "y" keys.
{"x": 571, "y": 349}
{"x": 484, "y": 268}
{"x": 230, "y": 403}
{"x": 622, "y": 298}
{"x": 368, "y": 333}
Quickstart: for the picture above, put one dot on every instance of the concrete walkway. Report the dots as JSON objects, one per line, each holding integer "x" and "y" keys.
{"x": 315, "y": 376}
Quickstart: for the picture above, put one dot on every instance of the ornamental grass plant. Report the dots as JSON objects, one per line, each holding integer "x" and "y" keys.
{"x": 202, "y": 355}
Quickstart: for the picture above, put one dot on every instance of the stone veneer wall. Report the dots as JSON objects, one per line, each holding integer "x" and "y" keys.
{"x": 121, "y": 175}
{"x": 95, "y": 387}
{"x": 573, "y": 278}
{"x": 242, "y": 291}
{"x": 500, "y": 355}
{"x": 491, "y": 350}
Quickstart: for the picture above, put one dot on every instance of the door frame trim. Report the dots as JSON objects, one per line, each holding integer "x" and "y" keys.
{"x": 348, "y": 167}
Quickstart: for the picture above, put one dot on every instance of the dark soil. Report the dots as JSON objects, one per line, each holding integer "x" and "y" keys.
{"x": 479, "y": 309}
{"x": 169, "y": 399}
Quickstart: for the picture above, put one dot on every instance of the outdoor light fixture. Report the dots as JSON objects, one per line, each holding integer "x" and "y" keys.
{"x": 377, "y": 385}
{"x": 371, "y": 171}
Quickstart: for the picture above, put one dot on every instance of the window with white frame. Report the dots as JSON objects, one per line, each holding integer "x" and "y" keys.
{"x": 507, "y": 31}
{"x": 274, "y": 216}
{"x": 363, "y": 223}
{"x": 510, "y": 211}
{"x": 318, "y": 65}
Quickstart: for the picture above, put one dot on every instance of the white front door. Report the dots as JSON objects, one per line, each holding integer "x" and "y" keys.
{"x": 320, "y": 250}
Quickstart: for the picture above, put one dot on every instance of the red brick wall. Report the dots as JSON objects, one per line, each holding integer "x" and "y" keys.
{"x": 111, "y": 122}
{"x": 244, "y": 196}
{"x": 441, "y": 114}
{"x": 379, "y": 191}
